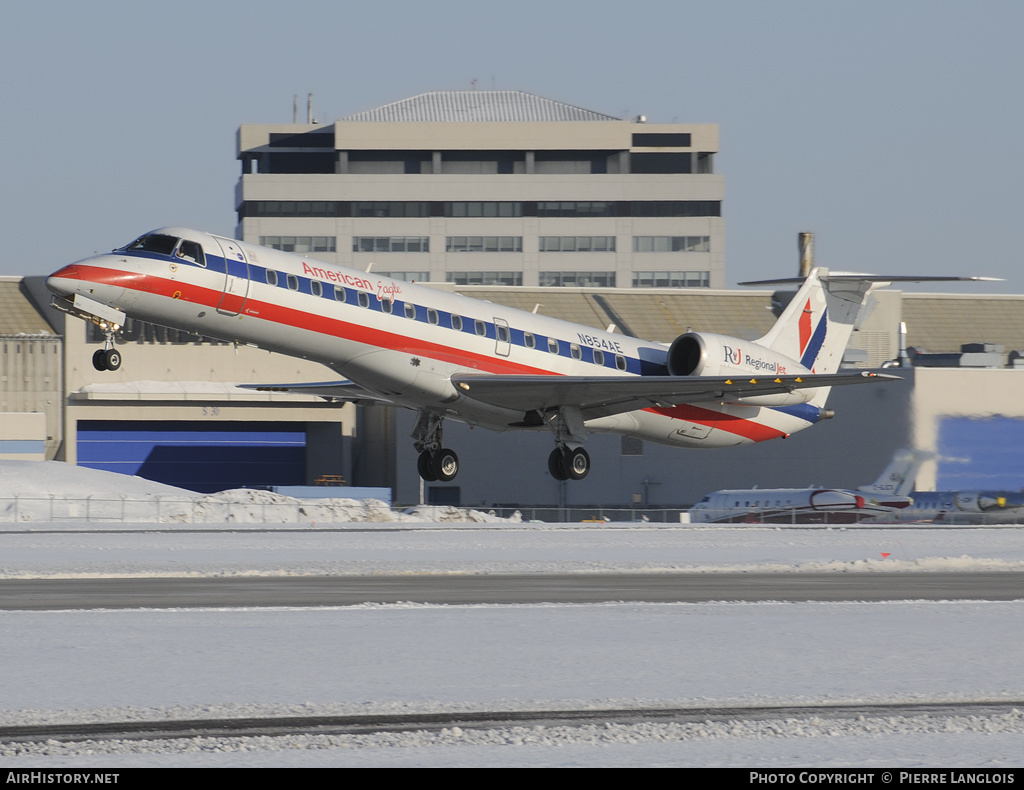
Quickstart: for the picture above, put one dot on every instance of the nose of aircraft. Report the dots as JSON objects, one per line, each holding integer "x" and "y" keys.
{"x": 62, "y": 282}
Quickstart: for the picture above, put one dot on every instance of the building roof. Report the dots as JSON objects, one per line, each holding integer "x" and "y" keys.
{"x": 941, "y": 323}
{"x": 649, "y": 313}
{"x": 478, "y": 106}
{"x": 18, "y": 314}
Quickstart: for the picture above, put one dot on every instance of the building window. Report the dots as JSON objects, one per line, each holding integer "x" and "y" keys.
{"x": 484, "y": 244}
{"x": 671, "y": 279}
{"x": 485, "y": 278}
{"x": 671, "y": 244}
{"x": 292, "y": 208}
{"x": 576, "y": 244}
{"x": 300, "y": 243}
{"x": 409, "y": 277}
{"x": 676, "y": 208}
{"x": 390, "y": 244}
{"x": 577, "y": 279}
{"x": 488, "y": 208}
{"x": 391, "y": 208}
{"x": 630, "y": 445}
{"x": 576, "y": 208}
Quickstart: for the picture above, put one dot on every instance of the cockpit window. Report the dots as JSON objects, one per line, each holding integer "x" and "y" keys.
{"x": 192, "y": 252}
{"x": 157, "y": 242}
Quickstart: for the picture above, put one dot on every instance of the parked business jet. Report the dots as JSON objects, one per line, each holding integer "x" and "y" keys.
{"x": 879, "y": 501}
{"x": 965, "y": 507}
{"x": 450, "y": 356}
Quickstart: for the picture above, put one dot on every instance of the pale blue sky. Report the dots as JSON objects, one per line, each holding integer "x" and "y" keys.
{"x": 890, "y": 129}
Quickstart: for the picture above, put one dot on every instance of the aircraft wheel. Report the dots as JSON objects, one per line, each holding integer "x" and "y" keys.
{"x": 423, "y": 467}
{"x": 112, "y": 358}
{"x": 98, "y": 360}
{"x": 556, "y": 465}
{"x": 577, "y": 463}
{"x": 444, "y": 464}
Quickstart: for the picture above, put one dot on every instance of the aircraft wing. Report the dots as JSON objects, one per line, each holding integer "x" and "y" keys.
{"x": 600, "y": 396}
{"x": 331, "y": 390}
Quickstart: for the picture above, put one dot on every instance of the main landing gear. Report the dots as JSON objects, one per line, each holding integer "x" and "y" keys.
{"x": 569, "y": 460}
{"x": 435, "y": 462}
{"x": 569, "y": 463}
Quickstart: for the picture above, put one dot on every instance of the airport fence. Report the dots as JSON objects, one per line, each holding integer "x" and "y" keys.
{"x": 312, "y": 512}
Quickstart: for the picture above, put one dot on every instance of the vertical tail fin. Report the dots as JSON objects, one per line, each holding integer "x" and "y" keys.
{"x": 816, "y": 325}
{"x": 899, "y": 476}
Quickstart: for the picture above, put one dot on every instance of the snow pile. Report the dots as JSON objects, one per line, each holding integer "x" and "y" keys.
{"x": 49, "y": 491}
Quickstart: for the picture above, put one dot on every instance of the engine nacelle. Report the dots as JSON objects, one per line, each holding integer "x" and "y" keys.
{"x": 705, "y": 354}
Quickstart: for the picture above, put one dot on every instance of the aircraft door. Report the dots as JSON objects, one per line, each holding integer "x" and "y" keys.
{"x": 502, "y": 338}
{"x": 236, "y": 278}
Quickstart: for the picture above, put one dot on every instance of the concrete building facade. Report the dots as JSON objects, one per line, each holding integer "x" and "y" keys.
{"x": 490, "y": 188}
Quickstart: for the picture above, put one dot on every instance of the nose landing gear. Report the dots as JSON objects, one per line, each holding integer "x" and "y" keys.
{"x": 106, "y": 359}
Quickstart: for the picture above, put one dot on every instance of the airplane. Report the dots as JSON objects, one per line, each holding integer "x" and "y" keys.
{"x": 965, "y": 507}
{"x": 450, "y": 356}
{"x": 879, "y": 501}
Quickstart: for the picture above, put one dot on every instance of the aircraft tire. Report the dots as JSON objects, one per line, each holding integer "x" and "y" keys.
{"x": 112, "y": 358}
{"x": 577, "y": 463}
{"x": 444, "y": 464}
{"x": 423, "y": 464}
{"x": 556, "y": 465}
{"x": 98, "y": 360}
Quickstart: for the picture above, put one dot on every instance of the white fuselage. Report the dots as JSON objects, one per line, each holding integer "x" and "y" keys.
{"x": 399, "y": 340}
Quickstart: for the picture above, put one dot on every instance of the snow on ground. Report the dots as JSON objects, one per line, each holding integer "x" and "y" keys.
{"x": 54, "y": 492}
{"x": 150, "y": 664}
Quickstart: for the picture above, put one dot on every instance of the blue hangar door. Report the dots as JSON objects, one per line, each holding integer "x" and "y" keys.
{"x": 199, "y": 456}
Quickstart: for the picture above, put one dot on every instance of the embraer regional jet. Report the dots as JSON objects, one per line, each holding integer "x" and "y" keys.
{"x": 450, "y": 356}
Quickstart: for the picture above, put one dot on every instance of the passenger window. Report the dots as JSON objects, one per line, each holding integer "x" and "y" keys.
{"x": 410, "y": 310}
{"x": 339, "y": 294}
{"x": 502, "y": 332}
{"x": 620, "y": 362}
{"x": 598, "y": 357}
{"x": 529, "y": 340}
{"x": 481, "y": 327}
{"x": 385, "y": 305}
{"x": 457, "y": 322}
{"x": 576, "y": 352}
{"x": 432, "y": 316}
{"x": 364, "y": 299}
{"x": 271, "y": 277}
{"x": 293, "y": 282}
{"x": 316, "y": 288}
{"x": 552, "y": 345}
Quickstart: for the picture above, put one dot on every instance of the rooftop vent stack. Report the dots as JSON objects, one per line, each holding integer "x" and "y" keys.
{"x": 805, "y": 243}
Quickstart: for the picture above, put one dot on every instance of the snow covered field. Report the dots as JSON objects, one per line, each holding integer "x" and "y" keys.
{"x": 106, "y": 665}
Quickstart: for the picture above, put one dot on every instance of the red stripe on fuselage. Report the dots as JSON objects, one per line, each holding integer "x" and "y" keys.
{"x": 299, "y": 319}
{"x": 730, "y": 423}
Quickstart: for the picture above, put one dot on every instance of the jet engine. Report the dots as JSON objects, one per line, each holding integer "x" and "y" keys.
{"x": 704, "y": 354}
